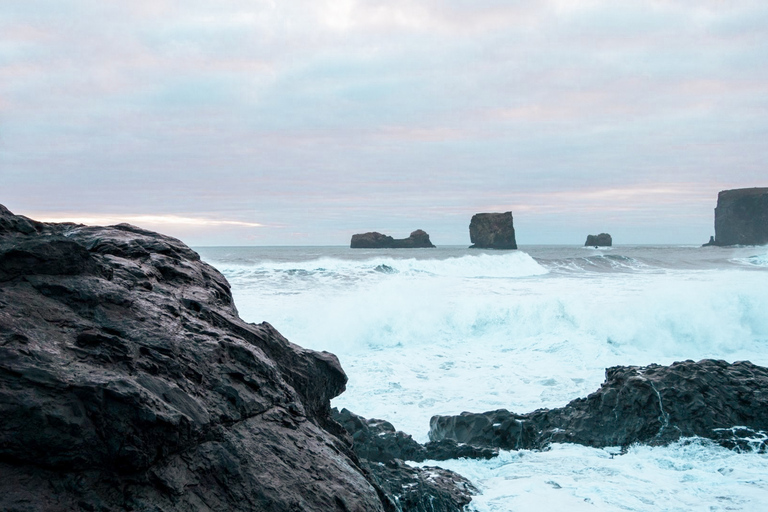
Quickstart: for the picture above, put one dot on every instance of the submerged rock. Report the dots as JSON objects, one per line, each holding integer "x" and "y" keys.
{"x": 652, "y": 404}
{"x": 741, "y": 217}
{"x": 492, "y": 231}
{"x": 601, "y": 240}
{"x": 373, "y": 240}
{"x": 128, "y": 382}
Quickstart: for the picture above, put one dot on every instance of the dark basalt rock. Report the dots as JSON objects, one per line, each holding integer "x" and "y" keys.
{"x": 653, "y": 404}
{"x": 492, "y": 231}
{"x": 601, "y": 240}
{"x": 128, "y": 382}
{"x": 382, "y": 450}
{"x": 741, "y": 217}
{"x": 418, "y": 239}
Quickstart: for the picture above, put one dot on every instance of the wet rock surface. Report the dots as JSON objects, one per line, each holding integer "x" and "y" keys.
{"x": 382, "y": 451}
{"x": 741, "y": 217}
{"x": 128, "y": 382}
{"x": 601, "y": 240}
{"x": 492, "y": 231}
{"x": 418, "y": 239}
{"x": 653, "y": 404}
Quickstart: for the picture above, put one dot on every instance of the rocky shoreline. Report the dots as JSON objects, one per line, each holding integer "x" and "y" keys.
{"x": 129, "y": 382}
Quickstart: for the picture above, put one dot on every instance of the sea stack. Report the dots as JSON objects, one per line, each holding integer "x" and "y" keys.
{"x": 741, "y": 217}
{"x": 492, "y": 231}
{"x": 418, "y": 239}
{"x": 601, "y": 240}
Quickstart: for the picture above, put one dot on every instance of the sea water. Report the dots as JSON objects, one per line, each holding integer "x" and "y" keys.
{"x": 421, "y": 332}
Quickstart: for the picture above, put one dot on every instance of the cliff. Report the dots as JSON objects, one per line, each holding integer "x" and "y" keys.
{"x": 418, "y": 239}
{"x": 492, "y": 231}
{"x": 128, "y": 382}
{"x": 741, "y": 217}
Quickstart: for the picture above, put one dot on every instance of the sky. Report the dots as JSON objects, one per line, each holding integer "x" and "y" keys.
{"x": 288, "y": 122}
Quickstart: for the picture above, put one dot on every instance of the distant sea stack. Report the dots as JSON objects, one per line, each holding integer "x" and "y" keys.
{"x": 492, "y": 231}
{"x": 601, "y": 240}
{"x": 741, "y": 217}
{"x": 419, "y": 239}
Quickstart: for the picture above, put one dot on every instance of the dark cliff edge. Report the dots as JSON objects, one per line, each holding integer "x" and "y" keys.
{"x": 601, "y": 240}
{"x": 418, "y": 239}
{"x": 128, "y": 382}
{"x": 492, "y": 231}
{"x": 654, "y": 405}
{"x": 741, "y": 217}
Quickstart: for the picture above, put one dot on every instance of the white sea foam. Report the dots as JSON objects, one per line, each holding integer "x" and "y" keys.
{"x": 692, "y": 474}
{"x": 423, "y": 335}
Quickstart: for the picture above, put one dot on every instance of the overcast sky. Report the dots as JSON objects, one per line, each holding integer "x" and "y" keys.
{"x": 286, "y": 122}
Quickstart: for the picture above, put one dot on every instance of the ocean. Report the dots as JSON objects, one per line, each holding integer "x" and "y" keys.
{"x": 421, "y": 332}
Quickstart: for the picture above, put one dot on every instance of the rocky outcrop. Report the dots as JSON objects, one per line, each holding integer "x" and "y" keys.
{"x": 601, "y": 240}
{"x": 652, "y": 404}
{"x": 741, "y": 217}
{"x": 382, "y": 450}
{"x": 128, "y": 382}
{"x": 492, "y": 231}
{"x": 418, "y": 239}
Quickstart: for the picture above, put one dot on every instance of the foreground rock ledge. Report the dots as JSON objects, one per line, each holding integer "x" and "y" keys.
{"x": 128, "y": 382}
{"x": 652, "y": 404}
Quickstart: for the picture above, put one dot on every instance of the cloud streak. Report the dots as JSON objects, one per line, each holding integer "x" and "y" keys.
{"x": 323, "y": 118}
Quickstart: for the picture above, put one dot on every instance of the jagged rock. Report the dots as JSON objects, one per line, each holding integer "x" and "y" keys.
{"x": 652, "y": 404}
{"x": 741, "y": 217}
{"x": 373, "y": 240}
{"x": 492, "y": 231}
{"x": 601, "y": 240}
{"x": 128, "y": 382}
{"x": 382, "y": 450}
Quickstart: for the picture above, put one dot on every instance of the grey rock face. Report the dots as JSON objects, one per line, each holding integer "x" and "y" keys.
{"x": 128, "y": 382}
{"x": 492, "y": 231}
{"x": 418, "y": 239}
{"x": 601, "y": 240}
{"x": 741, "y": 217}
{"x": 652, "y": 404}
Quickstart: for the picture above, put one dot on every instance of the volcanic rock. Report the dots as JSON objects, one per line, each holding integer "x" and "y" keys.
{"x": 653, "y": 404}
{"x": 601, "y": 240}
{"x": 492, "y": 231}
{"x": 741, "y": 217}
{"x": 373, "y": 240}
{"x": 128, "y": 382}
{"x": 382, "y": 450}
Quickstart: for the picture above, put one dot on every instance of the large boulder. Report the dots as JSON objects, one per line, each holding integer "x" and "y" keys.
{"x": 492, "y": 231}
{"x": 601, "y": 240}
{"x": 652, "y": 404}
{"x": 128, "y": 382}
{"x": 741, "y": 217}
{"x": 418, "y": 239}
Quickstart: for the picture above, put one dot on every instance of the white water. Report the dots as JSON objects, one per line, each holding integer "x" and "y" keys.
{"x": 439, "y": 332}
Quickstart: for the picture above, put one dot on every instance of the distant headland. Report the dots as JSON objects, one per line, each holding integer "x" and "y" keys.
{"x": 741, "y": 217}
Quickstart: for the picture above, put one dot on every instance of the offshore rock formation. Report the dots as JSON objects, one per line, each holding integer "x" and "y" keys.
{"x": 128, "y": 382}
{"x": 741, "y": 217}
{"x": 652, "y": 404}
{"x": 373, "y": 240}
{"x": 492, "y": 231}
{"x": 601, "y": 240}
